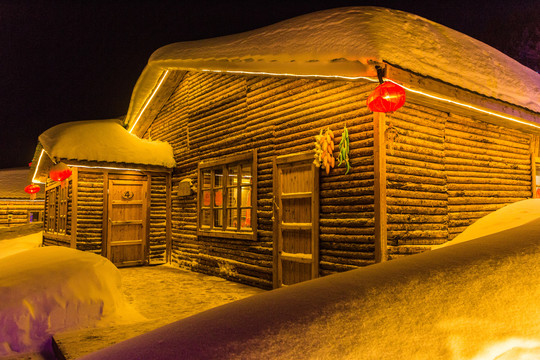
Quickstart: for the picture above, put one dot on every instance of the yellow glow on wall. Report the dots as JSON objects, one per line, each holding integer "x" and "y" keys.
{"x": 468, "y": 106}
{"x": 149, "y": 99}
{"x": 103, "y": 167}
{"x": 436, "y": 97}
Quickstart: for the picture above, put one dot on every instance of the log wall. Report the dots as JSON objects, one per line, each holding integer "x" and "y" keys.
{"x": 443, "y": 171}
{"x": 487, "y": 167}
{"x": 90, "y": 211}
{"x": 157, "y": 230}
{"x": 417, "y": 211}
{"x": 18, "y": 209}
{"x": 214, "y": 115}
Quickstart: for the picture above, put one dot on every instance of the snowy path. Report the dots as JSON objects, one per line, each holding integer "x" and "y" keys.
{"x": 162, "y": 294}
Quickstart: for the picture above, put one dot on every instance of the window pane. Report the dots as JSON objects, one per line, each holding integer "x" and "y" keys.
{"x": 218, "y": 178}
{"x": 246, "y": 219}
{"x": 233, "y": 175}
{"x": 206, "y": 179}
{"x": 218, "y": 218}
{"x": 218, "y": 198}
{"x": 246, "y": 196}
{"x": 206, "y": 219}
{"x": 206, "y": 198}
{"x": 231, "y": 218}
{"x": 246, "y": 173}
{"x": 232, "y": 195}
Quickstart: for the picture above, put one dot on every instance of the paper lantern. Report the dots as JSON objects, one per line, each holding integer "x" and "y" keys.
{"x": 387, "y": 97}
{"x": 32, "y": 189}
{"x": 60, "y": 172}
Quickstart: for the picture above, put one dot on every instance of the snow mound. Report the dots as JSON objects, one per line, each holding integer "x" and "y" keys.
{"x": 508, "y": 217}
{"x": 10, "y": 247}
{"x": 104, "y": 140}
{"x": 471, "y": 301}
{"x": 50, "y": 289}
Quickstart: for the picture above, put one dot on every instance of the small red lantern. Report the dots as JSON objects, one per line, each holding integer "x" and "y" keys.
{"x": 387, "y": 97}
{"x": 32, "y": 189}
{"x": 60, "y": 172}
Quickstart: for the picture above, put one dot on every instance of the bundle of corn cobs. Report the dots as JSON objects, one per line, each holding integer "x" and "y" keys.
{"x": 324, "y": 150}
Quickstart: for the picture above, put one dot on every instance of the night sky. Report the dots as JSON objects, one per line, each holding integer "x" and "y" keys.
{"x": 79, "y": 60}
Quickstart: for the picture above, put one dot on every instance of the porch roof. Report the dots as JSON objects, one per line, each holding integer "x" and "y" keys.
{"x": 103, "y": 141}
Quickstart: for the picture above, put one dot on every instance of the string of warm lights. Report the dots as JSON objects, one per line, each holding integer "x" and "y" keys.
{"x": 163, "y": 76}
{"x": 340, "y": 77}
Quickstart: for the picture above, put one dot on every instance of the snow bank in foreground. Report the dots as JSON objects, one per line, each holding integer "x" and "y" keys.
{"x": 49, "y": 289}
{"x": 474, "y": 300}
{"x": 13, "y": 246}
{"x": 510, "y": 216}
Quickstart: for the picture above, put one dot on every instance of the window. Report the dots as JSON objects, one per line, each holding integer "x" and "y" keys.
{"x": 57, "y": 208}
{"x": 226, "y": 196}
{"x": 35, "y": 216}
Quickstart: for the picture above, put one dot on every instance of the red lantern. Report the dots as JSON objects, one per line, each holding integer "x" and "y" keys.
{"x": 387, "y": 97}
{"x": 32, "y": 189}
{"x": 60, "y": 172}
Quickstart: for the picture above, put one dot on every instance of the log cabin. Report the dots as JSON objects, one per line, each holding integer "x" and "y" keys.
{"x": 115, "y": 201}
{"x": 245, "y": 199}
{"x": 16, "y": 207}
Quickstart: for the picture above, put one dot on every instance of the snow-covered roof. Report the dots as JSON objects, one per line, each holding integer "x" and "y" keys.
{"x": 13, "y": 182}
{"x": 103, "y": 141}
{"x": 346, "y": 42}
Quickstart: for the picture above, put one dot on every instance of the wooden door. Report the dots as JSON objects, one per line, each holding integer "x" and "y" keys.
{"x": 126, "y": 233}
{"x": 296, "y": 219}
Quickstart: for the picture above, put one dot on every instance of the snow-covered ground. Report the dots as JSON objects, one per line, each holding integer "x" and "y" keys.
{"x": 44, "y": 290}
{"x": 477, "y": 299}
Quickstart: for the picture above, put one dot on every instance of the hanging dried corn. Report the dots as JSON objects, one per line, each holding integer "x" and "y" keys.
{"x": 324, "y": 150}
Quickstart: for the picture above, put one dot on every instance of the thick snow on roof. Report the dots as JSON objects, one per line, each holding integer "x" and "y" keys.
{"x": 13, "y": 182}
{"x": 342, "y": 42}
{"x": 473, "y": 300}
{"x": 104, "y": 140}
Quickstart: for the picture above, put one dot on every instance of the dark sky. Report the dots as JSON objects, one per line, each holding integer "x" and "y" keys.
{"x": 78, "y": 60}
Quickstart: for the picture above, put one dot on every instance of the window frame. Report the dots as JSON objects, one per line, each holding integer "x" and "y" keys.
{"x": 248, "y": 157}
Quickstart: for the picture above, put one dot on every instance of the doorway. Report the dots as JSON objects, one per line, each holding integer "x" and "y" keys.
{"x": 127, "y": 220}
{"x": 296, "y": 219}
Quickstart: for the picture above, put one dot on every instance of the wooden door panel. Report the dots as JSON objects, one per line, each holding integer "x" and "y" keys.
{"x": 296, "y": 219}
{"x": 127, "y": 221}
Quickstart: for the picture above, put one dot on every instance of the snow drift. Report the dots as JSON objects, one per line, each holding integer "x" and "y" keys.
{"x": 473, "y": 300}
{"x": 13, "y": 246}
{"x": 49, "y": 289}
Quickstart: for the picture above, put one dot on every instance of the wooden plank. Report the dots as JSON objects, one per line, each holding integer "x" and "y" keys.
{"x": 379, "y": 157}
{"x": 296, "y": 226}
{"x": 131, "y": 202}
{"x": 298, "y": 195}
{"x": 126, "y": 222}
{"x": 297, "y": 257}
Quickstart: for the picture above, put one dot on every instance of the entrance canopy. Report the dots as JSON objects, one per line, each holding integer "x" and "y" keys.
{"x": 99, "y": 141}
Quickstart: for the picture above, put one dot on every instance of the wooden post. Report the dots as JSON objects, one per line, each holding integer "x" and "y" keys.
{"x": 74, "y": 206}
{"x": 168, "y": 247}
{"x": 534, "y": 155}
{"x": 379, "y": 157}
